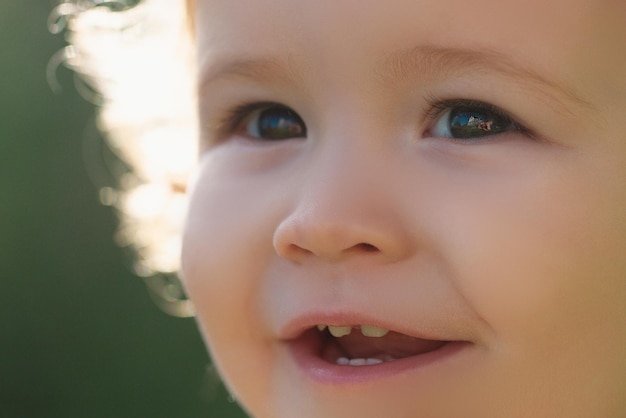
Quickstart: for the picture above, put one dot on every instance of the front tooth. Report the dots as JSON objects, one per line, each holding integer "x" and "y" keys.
{"x": 321, "y": 327}
{"x": 358, "y": 362}
{"x": 371, "y": 331}
{"x": 339, "y": 331}
{"x": 343, "y": 361}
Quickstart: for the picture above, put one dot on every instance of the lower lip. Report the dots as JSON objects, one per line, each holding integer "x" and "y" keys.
{"x": 305, "y": 352}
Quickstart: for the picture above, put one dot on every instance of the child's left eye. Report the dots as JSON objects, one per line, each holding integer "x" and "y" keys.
{"x": 469, "y": 120}
{"x": 271, "y": 122}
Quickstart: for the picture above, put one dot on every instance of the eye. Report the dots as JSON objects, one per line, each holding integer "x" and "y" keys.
{"x": 469, "y": 119}
{"x": 270, "y": 122}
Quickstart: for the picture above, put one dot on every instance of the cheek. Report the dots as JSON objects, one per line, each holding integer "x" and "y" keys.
{"x": 225, "y": 251}
{"x": 548, "y": 251}
{"x": 229, "y": 225}
{"x": 540, "y": 253}
{"x": 544, "y": 263}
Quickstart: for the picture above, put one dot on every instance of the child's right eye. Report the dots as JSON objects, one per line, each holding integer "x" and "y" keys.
{"x": 272, "y": 122}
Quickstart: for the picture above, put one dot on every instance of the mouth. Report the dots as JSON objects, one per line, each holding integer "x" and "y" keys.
{"x": 354, "y": 353}
{"x": 367, "y": 345}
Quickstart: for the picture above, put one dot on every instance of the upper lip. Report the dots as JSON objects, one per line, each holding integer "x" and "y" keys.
{"x": 296, "y": 326}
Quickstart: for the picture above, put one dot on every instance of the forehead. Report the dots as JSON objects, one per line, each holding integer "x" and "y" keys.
{"x": 366, "y": 20}
{"x": 572, "y": 41}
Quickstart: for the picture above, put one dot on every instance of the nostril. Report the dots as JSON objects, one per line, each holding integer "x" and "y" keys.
{"x": 367, "y": 247}
{"x": 295, "y": 249}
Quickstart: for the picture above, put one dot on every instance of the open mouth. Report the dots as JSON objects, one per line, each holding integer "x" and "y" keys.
{"x": 356, "y": 354}
{"x": 366, "y": 345}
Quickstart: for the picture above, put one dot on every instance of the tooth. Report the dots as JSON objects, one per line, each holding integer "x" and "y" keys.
{"x": 339, "y": 331}
{"x": 358, "y": 362}
{"x": 343, "y": 361}
{"x": 321, "y": 327}
{"x": 371, "y": 331}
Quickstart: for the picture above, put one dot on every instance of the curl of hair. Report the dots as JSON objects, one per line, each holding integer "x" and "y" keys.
{"x": 137, "y": 57}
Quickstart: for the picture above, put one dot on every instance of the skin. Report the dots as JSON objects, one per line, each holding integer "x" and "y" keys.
{"x": 514, "y": 243}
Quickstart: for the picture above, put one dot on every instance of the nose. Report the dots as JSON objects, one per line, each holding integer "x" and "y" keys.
{"x": 343, "y": 209}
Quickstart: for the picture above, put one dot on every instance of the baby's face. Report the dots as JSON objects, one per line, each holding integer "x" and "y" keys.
{"x": 452, "y": 172}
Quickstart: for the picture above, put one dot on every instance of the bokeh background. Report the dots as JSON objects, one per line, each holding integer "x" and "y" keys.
{"x": 79, "y": 335}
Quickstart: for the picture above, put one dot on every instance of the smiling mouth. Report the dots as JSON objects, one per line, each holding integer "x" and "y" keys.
{"x": 366, "y": 345}
{"x": 357, "y": 354}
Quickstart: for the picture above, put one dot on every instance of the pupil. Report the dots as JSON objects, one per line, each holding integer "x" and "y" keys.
{"x": 473, "y": 124}
{"x": 279, "y": 123}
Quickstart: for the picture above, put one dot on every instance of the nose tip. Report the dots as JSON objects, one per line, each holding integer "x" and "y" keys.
{"x": 332, "y": 239}
{"x": 343, "y": 206}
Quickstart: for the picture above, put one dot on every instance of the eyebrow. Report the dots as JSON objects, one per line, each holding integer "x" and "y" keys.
{"x": 402, "y": 65}
{"x": 270, "y": 69}
{"x": 442, "y": 61}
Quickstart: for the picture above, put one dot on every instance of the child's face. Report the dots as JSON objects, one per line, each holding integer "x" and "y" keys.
{"x": 454, "y": 172}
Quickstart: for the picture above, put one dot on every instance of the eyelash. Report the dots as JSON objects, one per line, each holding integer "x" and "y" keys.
{"x": 232, "y": 121}
{"x": 438, "y": 108}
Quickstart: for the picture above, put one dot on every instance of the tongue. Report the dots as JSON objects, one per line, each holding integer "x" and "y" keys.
{"x": 396, "y": 345}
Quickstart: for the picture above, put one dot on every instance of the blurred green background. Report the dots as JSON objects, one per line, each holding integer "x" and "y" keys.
{"x": 79, "y": 336}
